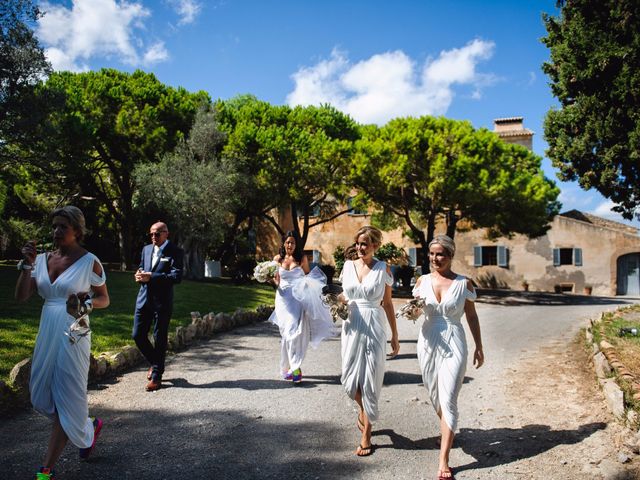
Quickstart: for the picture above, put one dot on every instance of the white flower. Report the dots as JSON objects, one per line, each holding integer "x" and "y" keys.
{"x": 411, "y": 310}
{"x": 265, "y": 271}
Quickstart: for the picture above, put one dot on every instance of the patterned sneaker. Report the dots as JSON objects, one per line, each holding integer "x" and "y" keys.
{"x": 297, "y": 375}
{"x": 287, "y": 375}
{"x": 45, "y": 474}
{"x": 97, "y": 426}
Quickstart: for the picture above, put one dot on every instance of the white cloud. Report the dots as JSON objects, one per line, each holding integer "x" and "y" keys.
{"x": 155, "y": 54}
{"x": 391, "y": 84}
{"x": 95, "y": 28}
{"x": 603, "y": 209}
{"x": 188, "y": 10}
{"x": 532, "y": 79}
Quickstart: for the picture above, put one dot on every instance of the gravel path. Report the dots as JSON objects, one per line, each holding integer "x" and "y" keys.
{"x": 532, "y": 412}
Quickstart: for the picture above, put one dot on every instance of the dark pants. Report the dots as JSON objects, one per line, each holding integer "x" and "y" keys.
{"x": 154, "y": 353}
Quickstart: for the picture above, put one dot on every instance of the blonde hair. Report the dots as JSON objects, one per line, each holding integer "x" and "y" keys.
{"x": 372, "y": 233}
{"x": 445, "y": 242}
{"x": 75, "y": 217}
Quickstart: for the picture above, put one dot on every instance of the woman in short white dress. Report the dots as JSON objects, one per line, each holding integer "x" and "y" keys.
{"x": 366, "y": 282}
{"x": 72, "y": 282}
{"x": 299, "y": 312}
{"x": 442, "y": 346}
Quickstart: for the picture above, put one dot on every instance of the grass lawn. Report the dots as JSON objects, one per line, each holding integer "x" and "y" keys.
{"x": 111, "y": 327}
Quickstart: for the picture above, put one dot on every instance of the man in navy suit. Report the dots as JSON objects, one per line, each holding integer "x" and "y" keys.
{"x": 160, "y": 268}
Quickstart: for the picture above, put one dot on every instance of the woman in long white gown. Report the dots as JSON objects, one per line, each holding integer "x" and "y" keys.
{"x": 442, "y": 346}
{"x": 366, "y": 282}
{"x": 72, "y": 282}
{"x": 299, "y": 312}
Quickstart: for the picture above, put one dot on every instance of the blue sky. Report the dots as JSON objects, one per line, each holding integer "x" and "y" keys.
{"x": 374, "y": 60}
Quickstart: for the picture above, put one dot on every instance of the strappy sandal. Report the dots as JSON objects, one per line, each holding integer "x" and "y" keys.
{"x": 365, "y": 451}
{"x": 442, "y": 477}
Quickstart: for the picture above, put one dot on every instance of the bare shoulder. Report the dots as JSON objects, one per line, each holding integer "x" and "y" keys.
{"x": 469, "y": 283}
{"x": 97, "y": 267}
{"x": 277, "y": 258}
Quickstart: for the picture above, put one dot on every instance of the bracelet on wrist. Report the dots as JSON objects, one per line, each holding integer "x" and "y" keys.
{"x": 23, "y": 265}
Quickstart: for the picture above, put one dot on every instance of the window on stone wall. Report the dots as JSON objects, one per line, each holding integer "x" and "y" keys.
{"x": 567, "y": 256}
{"x": 313, "y": 256}
{"x": 415, "y": 256}
{"x": 490, "y": 255}
{"x": 354, "y": 211}
{"x": 314, "y": 211}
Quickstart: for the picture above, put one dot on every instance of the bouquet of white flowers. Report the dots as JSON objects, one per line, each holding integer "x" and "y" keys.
{"x": 331, "y": 298}
{"x": 411, "y": 310}
{"x": 265, "y": 271}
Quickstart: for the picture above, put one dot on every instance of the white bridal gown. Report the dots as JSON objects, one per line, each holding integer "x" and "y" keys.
{"x": 442, "y": 345}
{"x": 364, "y": 335}
{"x": 60, "y": 369}
{"x": 300, "y": 314}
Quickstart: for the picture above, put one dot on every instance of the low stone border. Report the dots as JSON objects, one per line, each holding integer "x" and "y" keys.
{"x": 606, "y": 363}
{"x": 608, "y": 366}
{"x": 108, "y": 364}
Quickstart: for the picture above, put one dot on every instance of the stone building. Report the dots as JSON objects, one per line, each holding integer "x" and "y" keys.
{"x": 580, "y": 253}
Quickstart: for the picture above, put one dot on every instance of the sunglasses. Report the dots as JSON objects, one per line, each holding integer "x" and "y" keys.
{"x": 157, "y": 234}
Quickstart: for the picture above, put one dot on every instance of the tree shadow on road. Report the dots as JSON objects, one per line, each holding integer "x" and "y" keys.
{"x": 497, "y": 446}
{"x": 250, "y": 383}
{"x": 207, "y": 443}
{"x": 516, "y": 298}
{"x": 401, "y": 378}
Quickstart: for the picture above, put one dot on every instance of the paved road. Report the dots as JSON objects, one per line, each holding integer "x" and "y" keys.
{"x": 224, "y": 414}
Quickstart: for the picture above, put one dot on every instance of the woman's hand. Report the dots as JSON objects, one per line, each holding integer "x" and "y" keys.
{"x": 29, "y": 252}
{"x": 395, "y": 346}
{"x": 478, "y": 357}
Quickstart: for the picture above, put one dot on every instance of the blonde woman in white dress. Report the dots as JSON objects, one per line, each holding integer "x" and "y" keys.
{"x": 442, "y": 346}
{"x": 366, "y": 282}
{"x": 60, "y": 362}
{"x": 299, "y": 313}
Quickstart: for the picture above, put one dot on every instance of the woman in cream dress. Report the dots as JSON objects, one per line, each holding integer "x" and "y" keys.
{"x": 60, "y": 363}
{"x": 367, "y": 289}
{"x": 442, "y": 346}
{"x": 299, "y": 312}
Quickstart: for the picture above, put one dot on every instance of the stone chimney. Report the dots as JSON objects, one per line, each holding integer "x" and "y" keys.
{"x": 511, "y": 130}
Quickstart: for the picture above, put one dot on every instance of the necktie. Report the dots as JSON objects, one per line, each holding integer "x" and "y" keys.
{"x": 157, "y": 253}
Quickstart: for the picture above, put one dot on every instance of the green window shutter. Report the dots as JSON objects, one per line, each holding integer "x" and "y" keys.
{"x": 577, "y": 257}
{"x": 556, "y": 257}
{"x": 477, "y": 256}
{"x": 503, "y": 261}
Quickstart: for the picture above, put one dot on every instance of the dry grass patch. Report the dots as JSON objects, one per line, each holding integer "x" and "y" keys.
{"x": 627, "y": 346}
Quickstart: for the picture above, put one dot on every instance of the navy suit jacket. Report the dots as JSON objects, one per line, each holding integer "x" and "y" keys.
{"x": 158, "y": 292}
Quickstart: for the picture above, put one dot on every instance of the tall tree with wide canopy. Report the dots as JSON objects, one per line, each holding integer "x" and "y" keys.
{"x": 594, "y": 137}
{"x": 196, "y": 189}
{"x": 22, "y": 65}
{"x": 296, "y": 157}
{"x": 105, "y": 124}
{"x": 425, "y": 170}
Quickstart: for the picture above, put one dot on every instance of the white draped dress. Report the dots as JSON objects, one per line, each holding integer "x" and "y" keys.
{"x": 442, "y": 345}
{"x": 364, "y": 335}
{"x": 60, "y": 369}
{"x": 300, "y": 315}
